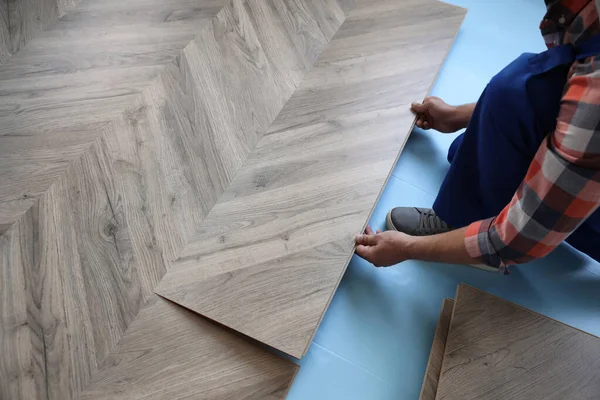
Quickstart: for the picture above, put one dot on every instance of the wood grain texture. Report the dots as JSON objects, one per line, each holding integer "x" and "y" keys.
{"x": 436, "y": 356}
{"x": 498, "y": 350}
{"x": 28, "y": 18}
{"x": 99, "y": 194}
{"x": 59, "y": 92}
{"x": 270, "y": 253}
{"x": 205, "y": 361}
{"x": 70, "y": 271}
{"x": 4, "y": 32}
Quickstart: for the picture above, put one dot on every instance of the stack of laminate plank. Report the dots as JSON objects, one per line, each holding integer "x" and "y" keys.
{"x": 485, "y": 347}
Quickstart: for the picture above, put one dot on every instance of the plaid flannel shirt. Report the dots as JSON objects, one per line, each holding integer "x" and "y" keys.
{"x": 562, "y": 186}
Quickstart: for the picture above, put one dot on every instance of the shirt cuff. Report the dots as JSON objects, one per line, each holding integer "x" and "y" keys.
{"x": 480, "y": 247}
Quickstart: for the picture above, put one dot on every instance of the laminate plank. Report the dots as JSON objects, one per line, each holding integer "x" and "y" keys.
{"x": 26, "y": 19}
{"x": 4, "y": 32}
{"x": 205, "y": 361}
{"x": 268, "y": 256}
{"x": 499, "y": 350}
{"x": 436, "y": 356}
{"x": 40, "y": 331}
{"x": 61, "y": 91}
{"x": 76, "y": 278}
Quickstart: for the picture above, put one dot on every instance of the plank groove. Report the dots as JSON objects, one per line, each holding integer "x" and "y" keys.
{"x": 498, "y": 350}
{"x": 269, "y": 254}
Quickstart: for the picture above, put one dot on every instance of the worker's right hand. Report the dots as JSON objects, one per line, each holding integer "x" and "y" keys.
{"x": 434, "y": 113}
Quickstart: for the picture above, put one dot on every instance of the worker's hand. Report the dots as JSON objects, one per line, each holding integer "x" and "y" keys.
{"x": 382, "y": 249}
{"x": 434, "y": 113}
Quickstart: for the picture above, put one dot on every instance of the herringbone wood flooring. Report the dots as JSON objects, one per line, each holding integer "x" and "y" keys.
{"x": 130, "y": 128}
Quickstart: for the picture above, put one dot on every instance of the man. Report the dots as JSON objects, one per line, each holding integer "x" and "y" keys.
{"x": 525, "y": 175}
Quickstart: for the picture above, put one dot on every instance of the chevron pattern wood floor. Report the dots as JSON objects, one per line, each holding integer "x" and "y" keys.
{"x": 59, "y": 92}
{"x": 5, "y": 50}
{"x": 269, "y": 254}
{"x": 110, "y": 160}
{"x": 22, "y": 20}
{"x": 207, "y": 138}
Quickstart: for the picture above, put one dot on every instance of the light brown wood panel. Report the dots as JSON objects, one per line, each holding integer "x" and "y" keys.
{"x": 4, "y": 32}
{"x": 436, "y": 356}
{"x": 76, "y": 276}
{"x": 48, "y": 341}
{"x": 65, "y": 86}
{"x": 177, "y": 149}
{"x": 172, "y": 353}
{"x": 499, "y": 350}
{"x": 269, "y": 254}
{"x": 110, "y": 202}
{"x": 28, "y": 18}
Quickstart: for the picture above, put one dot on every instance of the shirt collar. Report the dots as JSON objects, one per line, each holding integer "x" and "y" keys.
{"x": 559, "y": 17}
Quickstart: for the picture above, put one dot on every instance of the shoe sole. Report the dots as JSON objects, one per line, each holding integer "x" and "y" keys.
{"x": 388, "y": 222}
{"x": 390, "y": 226}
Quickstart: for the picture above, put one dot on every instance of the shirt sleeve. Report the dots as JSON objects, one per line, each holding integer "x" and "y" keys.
{"x": 561, "y": 188}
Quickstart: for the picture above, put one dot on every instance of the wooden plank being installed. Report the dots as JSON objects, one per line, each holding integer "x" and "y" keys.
{"x": 119, "y": 130}
{"x": 436, "y": 356}
{"x": 270, "y": 253}
{"x": 499, "y": 350}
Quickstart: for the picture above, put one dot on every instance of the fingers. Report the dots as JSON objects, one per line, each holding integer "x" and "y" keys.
{"x": 366, "y": 240}
{"x": 378, "y": 231}
{"x": 369, "y": 231}
{"x": 364, "y": 252}
{"x": 418, "y": 108}
{"x": 423, "y": 123}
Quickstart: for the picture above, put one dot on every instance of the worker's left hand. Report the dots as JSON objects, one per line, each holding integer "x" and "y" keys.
{"x": 382, "y": 249}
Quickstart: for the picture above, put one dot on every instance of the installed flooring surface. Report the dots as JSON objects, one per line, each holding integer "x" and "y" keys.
{"x": 25, "y": 19}
{"x": 270, "y": 253}
{"x": 61, "y": 90}
{"x": 5, "y": 50}
{"x": 436, "y": 356}
{"x": 121, "y": 126}
{"x": 498, "y": 350}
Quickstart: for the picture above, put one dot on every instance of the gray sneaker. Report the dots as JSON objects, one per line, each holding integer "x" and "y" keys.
{"x": 421, "y": 222}
{"x": 416, "y": 221}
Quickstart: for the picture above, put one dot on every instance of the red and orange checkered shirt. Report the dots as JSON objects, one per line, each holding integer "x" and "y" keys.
{"x": 568, "y": 159}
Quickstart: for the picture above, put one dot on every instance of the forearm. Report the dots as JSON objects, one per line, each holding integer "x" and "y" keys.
{"x": 463, "y": 115}
{"x": 446, "y": 248}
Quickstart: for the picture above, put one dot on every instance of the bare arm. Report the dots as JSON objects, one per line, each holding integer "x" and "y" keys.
{"x": 446, "y": 248}
{"x": 388, "y": 248}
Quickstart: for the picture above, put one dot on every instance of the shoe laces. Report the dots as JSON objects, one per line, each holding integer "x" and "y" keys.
{"x": 431, "y": 223}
